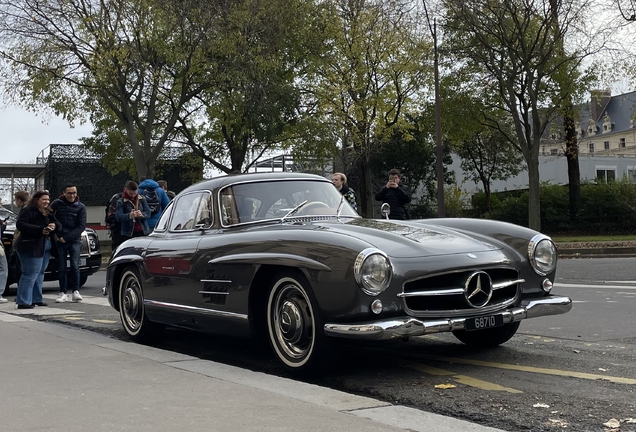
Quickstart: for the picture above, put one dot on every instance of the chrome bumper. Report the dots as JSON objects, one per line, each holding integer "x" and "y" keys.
{"x": 408, "y": 326}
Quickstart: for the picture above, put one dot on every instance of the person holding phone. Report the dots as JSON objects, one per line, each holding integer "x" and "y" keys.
{"x": 36, "y": 223}
{"x": 396, "y": 194}
{"x": 132, "y": 214}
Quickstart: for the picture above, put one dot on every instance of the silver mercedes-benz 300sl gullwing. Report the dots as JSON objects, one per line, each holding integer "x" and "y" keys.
{"x": 284, "y": 257}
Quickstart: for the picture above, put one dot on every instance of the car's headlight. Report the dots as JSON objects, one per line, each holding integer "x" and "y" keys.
{"x": 372, "y": 270}
{"x": 542, "y": 254}
{"x": 93, "y": 241}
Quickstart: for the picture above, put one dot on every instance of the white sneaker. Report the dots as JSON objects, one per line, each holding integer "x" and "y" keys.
{"x": 77, "y": 296}
{"x": 3, "y": 300}
{"x": 62, "y": 298}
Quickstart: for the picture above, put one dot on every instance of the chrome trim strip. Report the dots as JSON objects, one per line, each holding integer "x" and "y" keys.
{"x": 214, "y": 292}
{"x": 440, "y": 292}
{"x": 216, "y": 280}
{"x": 400, "y": 327}
{"x": 193, "y": 309}
{"x": 506, "y": 284}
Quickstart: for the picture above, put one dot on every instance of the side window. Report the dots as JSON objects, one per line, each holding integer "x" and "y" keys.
{"x": 162, "y": 224}
{"x": 192, "y": 211}
{"x": 229, "y": 211}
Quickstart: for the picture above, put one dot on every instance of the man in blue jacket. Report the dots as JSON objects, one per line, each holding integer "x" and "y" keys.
{"x": 156, "y": 198}
{"x": 71, "y": 213}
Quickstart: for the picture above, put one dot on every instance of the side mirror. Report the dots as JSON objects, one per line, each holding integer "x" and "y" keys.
{"x": 385, "y": 210}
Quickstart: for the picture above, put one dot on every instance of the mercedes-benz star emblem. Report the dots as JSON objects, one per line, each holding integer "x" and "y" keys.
{"x": 478, "y": 289}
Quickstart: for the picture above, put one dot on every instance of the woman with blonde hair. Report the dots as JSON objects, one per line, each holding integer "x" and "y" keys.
{"x": 36, "y": 223}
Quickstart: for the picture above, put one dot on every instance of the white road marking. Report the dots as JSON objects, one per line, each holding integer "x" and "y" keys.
{"x": 600, "y": 286}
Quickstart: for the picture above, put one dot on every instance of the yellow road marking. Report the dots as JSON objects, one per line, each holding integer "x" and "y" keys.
{"x": 73, "y": 318}
{"x": 462, "y": 379}
{"x": 532, "y": 369}
{"x": 101, "y": 321}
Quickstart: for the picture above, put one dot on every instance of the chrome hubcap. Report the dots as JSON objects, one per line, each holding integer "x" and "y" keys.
{"x": 292, "y": 321}
{"x": 131, "y": 304}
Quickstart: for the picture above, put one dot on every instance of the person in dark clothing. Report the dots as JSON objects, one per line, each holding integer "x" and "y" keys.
{"x": 36, "y": 223}
{"x": 132, "y": 214}
{"x": 72, "y": 215}
{"x": 339, "y": 180}
{"x": 164, "y": 185}
{"x": 396, "y": 194}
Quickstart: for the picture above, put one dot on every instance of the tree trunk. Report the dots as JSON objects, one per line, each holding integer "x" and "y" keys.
{"x": 366, "y": 188}
{"x": 572, "y": 155}
{"x": 534, "y": 204}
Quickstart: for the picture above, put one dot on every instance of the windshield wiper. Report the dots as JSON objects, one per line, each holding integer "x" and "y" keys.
{"x": 342, "y": 199}
{"x": 294, "y": 210}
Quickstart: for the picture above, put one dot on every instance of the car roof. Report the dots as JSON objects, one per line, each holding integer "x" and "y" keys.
{"x": 229, "y": 179}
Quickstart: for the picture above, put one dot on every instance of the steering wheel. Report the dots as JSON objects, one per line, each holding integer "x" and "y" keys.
{"x": 312, "y": 206}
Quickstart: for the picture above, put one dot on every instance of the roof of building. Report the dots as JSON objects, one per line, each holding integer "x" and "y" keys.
{"x": 21, "y": 170}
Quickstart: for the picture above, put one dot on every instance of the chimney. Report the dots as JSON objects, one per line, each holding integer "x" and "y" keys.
{"x": 598, "y": 102}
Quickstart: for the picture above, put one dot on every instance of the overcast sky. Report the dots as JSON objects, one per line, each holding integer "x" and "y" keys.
{"x": 24, "y": 135}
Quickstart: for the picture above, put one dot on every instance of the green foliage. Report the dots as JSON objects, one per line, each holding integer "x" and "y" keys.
{"x": 605, "y": 208}
{"x": 412, "y": 151}
{"x": 455, "y": 201}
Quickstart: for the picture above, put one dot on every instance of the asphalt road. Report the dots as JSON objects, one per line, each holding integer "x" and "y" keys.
{"x": 570, "y": 372}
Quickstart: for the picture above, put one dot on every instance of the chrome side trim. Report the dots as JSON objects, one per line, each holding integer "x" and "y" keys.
{"x": 216, "y": 280}
{"x": 431, "y": 293}
{"x": 192, "y": 309}
{"x": 214, "y": 292}
{"x": 458, "y": 290}
{"x": 399, "y": 327}
{"x": 506, "y": 284}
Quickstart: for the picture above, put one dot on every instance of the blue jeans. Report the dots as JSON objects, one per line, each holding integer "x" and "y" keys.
{"x": 4, "y": 273}
{"x": 68, "y": 277}
{"x": 30, "y": 283}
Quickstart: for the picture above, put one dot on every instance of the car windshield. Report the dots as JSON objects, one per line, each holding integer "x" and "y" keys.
{"x": 266, "y": 200}
{"x": 8, "y": 215}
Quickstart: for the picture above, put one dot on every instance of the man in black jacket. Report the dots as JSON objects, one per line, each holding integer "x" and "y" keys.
{"x": 71, "y": 213}
{"x": 396, "y": 194}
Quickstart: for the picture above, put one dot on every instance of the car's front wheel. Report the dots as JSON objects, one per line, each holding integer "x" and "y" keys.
{"x": 294, "y": 324}
{"x": 132, "y": 310}
{"x": 83, "y": 279}
{"x": 488, "y": 338}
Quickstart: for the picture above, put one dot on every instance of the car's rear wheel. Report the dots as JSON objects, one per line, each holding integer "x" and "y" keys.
{"x": 294, "y": 324}
{"x": 132, "y": 309}
{"x": 488, "y": 338}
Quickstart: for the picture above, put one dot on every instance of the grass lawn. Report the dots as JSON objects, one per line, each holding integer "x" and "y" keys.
{"x": 591, "y": 238}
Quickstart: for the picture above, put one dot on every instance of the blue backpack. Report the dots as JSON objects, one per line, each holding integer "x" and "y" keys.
{"x": 152, "y": 198}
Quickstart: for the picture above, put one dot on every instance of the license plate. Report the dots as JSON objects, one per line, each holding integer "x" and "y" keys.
{"x": 484, "y": 322}
{"x": 82, "y": 263}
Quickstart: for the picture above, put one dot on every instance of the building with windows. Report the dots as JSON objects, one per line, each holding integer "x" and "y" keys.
{"x": 607, "y": 127}
{"x": 606, "y": 134}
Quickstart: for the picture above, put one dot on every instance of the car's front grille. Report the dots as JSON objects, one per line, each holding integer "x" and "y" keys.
{"x": 445, "y": 294}
{"x": 85, "y": 244}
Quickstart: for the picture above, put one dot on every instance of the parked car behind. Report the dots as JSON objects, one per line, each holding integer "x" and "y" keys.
{"x": 282, "y": 256}
{"x": 90, "y": 258}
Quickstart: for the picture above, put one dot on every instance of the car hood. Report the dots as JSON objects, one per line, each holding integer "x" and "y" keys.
{"x": 406, "y": 239}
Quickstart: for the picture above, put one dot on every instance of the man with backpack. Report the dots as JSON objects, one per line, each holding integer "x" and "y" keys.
{"x": 155, "y": 197}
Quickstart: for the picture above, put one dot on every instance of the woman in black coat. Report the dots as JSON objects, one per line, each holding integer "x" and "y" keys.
{"x": 36, "y": 224}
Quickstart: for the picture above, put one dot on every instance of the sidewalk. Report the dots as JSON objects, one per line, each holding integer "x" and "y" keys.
{"x": 57, "y": 378}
